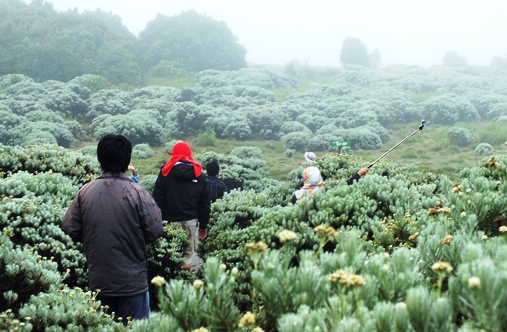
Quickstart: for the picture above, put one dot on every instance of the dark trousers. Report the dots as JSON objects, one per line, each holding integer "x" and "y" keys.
{"x": 136, "y": 307}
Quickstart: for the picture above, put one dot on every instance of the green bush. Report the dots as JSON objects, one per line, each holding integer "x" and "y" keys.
{"x": 459, "y": 136}
{"x": 483, "y": 149}
{"x": 142, "y": 151}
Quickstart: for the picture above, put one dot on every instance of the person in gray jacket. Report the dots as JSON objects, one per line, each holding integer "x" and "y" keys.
{"x": 115, "y": 218}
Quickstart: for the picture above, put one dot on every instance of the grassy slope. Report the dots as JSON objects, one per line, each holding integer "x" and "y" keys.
{"x": 427, "y": 150}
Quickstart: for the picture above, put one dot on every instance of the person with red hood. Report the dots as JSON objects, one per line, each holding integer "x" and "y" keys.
{"x": 182, "y": 195}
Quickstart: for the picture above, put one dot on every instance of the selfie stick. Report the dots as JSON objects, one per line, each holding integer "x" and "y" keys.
{"x": 394, "y": 147}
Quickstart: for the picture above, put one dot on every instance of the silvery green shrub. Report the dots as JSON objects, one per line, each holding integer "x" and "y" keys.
{"x": 20, "y": 281}
{"x": 483, "y": 149}
{"x": 243, "y": 168}
{"x": 11, "y": 79}
{"x": 71, "y": 309}
{"x": 361, "y": 138}
{"x": 313, "y": 122}
{"x": 27, "y": 96}
{"x": 441, "y": 109}
{"x": 186, "y": 119}
{"x": 459, "y": 136}
{"x": 290, "y": 153}
{"x": 293, "y": 126}
{"x": 29, "y": 132}
{"x": 266, "y": 122}
{"x": 238, "y": 128}
{"x": 476, "y": 287}
{"x": 484, "y": 101}
{"x": 94, "y": 83}
{"x": 110, "y": 102}
{"x": 142, "y": 151}
{"x": 156, "y": 93}
{"x": 244, "y": 76}
{"x": 235, "y": 97}
{"x": 296, "y": 140}
{"x": 497, "y": 111}
{"x": 138, "y": 128}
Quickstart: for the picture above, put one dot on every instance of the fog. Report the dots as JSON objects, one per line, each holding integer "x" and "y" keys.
{"x": 312, "y": 32}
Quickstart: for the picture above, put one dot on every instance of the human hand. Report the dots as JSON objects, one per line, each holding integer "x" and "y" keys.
{"x": 133, "y": 169}
{"x": 202, "y": 233}
{"x": 363, "y": 171}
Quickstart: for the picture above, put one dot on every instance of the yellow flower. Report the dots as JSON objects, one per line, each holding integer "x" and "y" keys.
{"x": 325, "y": 231}
{"x": 413, "y": 236}
{"x": 321, "y": 229}
{"x": 247, "y": 319}
{"x": 484, "y": 237}
{"x": 456, "y": 189}
{"x": 446, "y": 240}
{"x": 442, "y": 267}
{"x": 474, "y": 282}
{"x": 158, "y": 281}
{"x": 347, "y": 278}
{"x": 286, "y": 235}
{"x": 201, "y": 329}
{"x": 257, "y": 329}
{"x": 446, "y": 209}
{"x": 198, "y": 283}
{"x": 331, "y": 232}
{"x": 256, "y": 247}
{"x": 503, "y": 229}
{"x": 463, "y": 214}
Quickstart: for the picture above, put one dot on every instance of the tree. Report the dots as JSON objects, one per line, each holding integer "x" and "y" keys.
{"x": 43, "y": 44}
{"x": 453, "y": 59}
{"x": 191, "y": 41}
{"x": 354, "y": 52}
{"x": 375, "y": 58}
{"x": 499, "y": 62}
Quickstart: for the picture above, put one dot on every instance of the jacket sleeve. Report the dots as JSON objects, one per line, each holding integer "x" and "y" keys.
{"x": 150, "y": 217}
{"x": 72, "y": 222}
{"x": 159, "y": 191}
{"x": 353, "y": 178}
{"x": 204, "y": 205}
{"x": 225, "y": 190}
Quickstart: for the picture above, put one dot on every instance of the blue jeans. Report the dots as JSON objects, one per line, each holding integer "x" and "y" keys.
{"x": 136, "y": 307}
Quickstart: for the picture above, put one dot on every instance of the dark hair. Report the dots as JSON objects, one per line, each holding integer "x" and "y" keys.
{"x": 212, "y": 168}
{"x": 114, "y": 153}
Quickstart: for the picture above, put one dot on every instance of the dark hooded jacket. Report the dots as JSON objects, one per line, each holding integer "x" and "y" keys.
{"x": 182, "y": 196}
{"x": 114, "y": 218}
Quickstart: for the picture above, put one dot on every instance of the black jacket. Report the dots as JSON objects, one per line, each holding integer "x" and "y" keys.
{"x": 181, "y": 196}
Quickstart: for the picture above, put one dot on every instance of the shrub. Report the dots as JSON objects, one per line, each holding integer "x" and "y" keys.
{"x": 111, "y": 101}
{"x": 483, "y": 149}
{"x": 138, "y": 128}
{"x": 93, "y": 83}
{"x": 290, "y": 153}
{"x": 142, "y": 151}
{"x": 459, "y": 136}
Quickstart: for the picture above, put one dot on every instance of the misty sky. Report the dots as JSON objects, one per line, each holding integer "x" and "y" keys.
{"x": 277, "y": 31}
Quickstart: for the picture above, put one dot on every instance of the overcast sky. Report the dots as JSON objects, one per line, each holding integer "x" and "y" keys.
{"x": 413, "y": 32}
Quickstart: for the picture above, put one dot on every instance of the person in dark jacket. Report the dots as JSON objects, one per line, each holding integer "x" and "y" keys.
{"x": 115, "y": 218}
{"x": 182, "y": 195}
{"x": 216, "y": 187}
